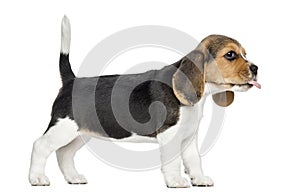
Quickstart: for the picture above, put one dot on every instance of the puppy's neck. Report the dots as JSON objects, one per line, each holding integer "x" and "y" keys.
{"x": 212, "y": 88}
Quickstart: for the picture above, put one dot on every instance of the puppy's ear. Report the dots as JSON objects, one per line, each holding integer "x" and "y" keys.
{"x": 189, "y": 79}
{"x": 224, "y": 98}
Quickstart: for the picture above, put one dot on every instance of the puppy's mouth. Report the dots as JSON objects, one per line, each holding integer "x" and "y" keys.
{"x": 246, "y": 86}
{"x": 243, "y": 86}
{"x": 254, "y": 83}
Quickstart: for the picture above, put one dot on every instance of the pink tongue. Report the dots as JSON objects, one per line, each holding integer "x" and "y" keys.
{"x": 255, "y": 84}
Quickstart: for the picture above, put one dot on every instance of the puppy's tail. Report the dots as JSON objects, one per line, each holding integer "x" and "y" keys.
{"x": 66, "y": 72}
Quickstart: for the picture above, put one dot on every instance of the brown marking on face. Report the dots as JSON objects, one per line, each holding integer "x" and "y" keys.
{"x": 188, "y": 81}
{"x": 236, "y": 71}
{"x": 221, "y": 70}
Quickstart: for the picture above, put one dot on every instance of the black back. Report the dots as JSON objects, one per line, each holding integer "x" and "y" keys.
{"x": 118, "y": 105}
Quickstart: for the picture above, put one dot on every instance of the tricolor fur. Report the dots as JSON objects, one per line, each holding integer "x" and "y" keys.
{"x": 164, "y": 106}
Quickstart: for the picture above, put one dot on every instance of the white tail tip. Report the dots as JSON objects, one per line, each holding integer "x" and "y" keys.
{"x": 65, "y": 35}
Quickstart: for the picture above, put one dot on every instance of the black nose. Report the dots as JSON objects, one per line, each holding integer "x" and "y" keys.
{"x": 253, "y": 69}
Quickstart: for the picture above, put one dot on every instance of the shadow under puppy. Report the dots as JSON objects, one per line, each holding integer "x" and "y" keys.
{"x": 162, "y": 106}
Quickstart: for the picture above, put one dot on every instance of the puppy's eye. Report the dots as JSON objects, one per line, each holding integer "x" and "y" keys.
{"x": 231, "y": 55}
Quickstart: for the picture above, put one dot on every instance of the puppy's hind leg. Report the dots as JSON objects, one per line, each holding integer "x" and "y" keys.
{"x": 61, "y": 133}
{"x": 65, "y": 158}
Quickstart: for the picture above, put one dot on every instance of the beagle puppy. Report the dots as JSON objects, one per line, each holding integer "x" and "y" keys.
{"x": 157, "y": 105}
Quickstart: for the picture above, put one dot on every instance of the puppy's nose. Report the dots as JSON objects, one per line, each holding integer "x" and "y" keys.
{"x": 253, "y": 69}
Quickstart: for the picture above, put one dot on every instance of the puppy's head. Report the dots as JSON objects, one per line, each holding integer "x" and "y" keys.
{"x": 220, "y": 61}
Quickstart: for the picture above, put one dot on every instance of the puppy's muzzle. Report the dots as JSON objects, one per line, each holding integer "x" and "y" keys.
{"x": 253, "y": 68}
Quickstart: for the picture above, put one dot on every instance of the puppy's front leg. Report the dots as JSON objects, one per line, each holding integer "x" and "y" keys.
{"x": 192, "y": 163}
{"x": 170, "y": 150}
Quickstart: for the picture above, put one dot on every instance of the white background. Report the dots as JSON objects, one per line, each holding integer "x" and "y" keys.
{"x": 258, "y": 150}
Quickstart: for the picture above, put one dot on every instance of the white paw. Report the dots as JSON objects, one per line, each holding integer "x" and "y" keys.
{"x": 39, "y": 180}
{"x": 177, "y": 182}
{"x": 77, "y": 179}
{"x": 202, "y": 181}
